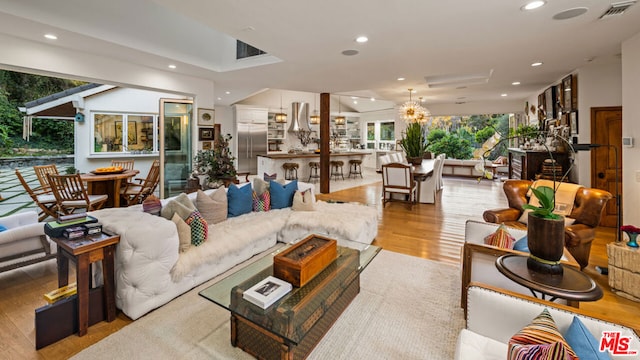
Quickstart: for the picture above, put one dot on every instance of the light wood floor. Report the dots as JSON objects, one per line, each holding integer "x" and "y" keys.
{"x": 433, "y": 232}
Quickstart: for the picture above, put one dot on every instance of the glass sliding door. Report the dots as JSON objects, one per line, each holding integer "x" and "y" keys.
{"x": 175, "y": 141}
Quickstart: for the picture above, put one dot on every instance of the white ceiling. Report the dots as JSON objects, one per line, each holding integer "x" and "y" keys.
{"x": 414, "y": 39}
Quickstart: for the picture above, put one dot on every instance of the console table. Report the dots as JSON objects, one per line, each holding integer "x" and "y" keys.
{"x": 526, "y": 164}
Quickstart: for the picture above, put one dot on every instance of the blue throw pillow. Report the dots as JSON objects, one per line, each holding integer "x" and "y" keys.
{"x": 282, "y": 195}
{"x": 583, "y": 343}
{"x": 521, "y": 245}
{"x": 2, "y": 228}
{"x": 239, "y": 200}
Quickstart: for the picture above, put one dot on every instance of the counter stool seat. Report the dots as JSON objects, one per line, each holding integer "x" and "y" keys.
{"x": 355, "y": 168}
{"x": 290, "y": 170}
{"x": 314, "y": 171}
{"x": 336, "y": 169}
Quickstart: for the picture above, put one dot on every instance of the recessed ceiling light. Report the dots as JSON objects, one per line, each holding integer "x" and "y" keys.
{"x": 533, "y": 5}
{"x": 362, "y": 39}
{"x": 219, "y": 98}
{"x": 503, "y": 95}
{"x": 515, "y": 83}
{"x": 373, "y": 99}
{"x": 400, "y": 79}
{"x": 227, "y": 92}
{"x": 538, "y": 63}
{"x": 355, "y": 102}
{"x": 171, "y": 66}
{"x": 350, "y": 52}
{"x": 354, "y": 97}
{"x": 51, "y": 36}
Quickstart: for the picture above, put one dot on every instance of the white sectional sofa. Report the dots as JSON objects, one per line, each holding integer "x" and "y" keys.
{"x": 495, "y": 315}
{"x": 150, "y": 270}
{"x": 23, "y": 242}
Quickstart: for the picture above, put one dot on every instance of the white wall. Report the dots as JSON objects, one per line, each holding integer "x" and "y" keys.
{"x": 631, "y": 128}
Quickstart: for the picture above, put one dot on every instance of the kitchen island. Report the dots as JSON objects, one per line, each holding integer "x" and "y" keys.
{"x": 272, "y": 163}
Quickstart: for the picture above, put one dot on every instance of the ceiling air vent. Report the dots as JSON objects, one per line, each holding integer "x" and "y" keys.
{"x": 617, "y": 8}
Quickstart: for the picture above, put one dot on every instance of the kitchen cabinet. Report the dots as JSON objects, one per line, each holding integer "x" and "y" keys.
{"x": 251, "y": 115}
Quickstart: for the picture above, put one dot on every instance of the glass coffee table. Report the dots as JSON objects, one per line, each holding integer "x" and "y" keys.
{"x": 292, "y": 326}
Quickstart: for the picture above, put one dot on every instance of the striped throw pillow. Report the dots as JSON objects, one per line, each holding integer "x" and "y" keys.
{"x": 501, "y": 238}
{"x": 541, "y": 339}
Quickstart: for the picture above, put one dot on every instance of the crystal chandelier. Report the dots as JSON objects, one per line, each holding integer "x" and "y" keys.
{"x": 281, "y": 117}
{"x": 412, "y": 111}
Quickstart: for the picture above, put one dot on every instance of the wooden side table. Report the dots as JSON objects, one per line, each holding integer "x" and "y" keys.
{"x": 624, "y": 270}
{"x": 85, "y": 251}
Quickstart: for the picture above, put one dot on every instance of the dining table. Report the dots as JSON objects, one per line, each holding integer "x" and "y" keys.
{"x": 107, "y": 183}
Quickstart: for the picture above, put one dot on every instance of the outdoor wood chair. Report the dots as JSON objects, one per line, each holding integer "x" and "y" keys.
{"x": 135, "y": 192}
{"x": 45, "y": 199}
{"x": 71, "y": 194}
{"x": 398, "y": 184}
{"x": 125, "y": 164}
{"x": 42, "y": 171}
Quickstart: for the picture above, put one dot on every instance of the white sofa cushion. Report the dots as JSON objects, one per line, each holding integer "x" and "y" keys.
{"x": 475, "y": 346}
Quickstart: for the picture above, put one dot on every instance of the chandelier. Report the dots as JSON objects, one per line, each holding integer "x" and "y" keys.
{"x": 315, "y": 118}
{"x": 339, "y": 120}
{"x": 281, "y": 117}
{"x": 412, "y": 111}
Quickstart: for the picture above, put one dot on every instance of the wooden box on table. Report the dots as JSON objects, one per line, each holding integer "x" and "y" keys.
{"x": 294, "y": 325}
{"x": 303, "y": 261}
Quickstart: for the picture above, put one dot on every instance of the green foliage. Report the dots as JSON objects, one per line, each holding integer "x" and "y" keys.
{"x": 453, "y": 146}
{"x": 436, "y": 135}
{"x": 483, "y": 134}
{"x": 546, "y": 196}
{"x": 414, "y": 141}
{"x": 217, "y": 163}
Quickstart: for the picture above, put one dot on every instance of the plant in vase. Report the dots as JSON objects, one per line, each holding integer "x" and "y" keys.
{"x": 217, "y": 163}
{"x": 414, "y": 142}
{"x": 632, "y": 232}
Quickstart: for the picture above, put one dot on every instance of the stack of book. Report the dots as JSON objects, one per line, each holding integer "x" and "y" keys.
{"x": 267, "y": 292}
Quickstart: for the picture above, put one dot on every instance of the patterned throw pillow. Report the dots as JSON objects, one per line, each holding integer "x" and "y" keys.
{"x": 260, "y": 186}
{"x": 541, "y": 339}
{"x": 261, "y": 202}
{"x": 501, "y": 238}
{"x": 181, "y": 205}
{"x": 199, "y": 228}
{"x": 152, "y": 205}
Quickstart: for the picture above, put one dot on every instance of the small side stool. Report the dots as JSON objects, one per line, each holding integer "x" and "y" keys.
{"x": 314, "y": 171}
{"x": 336, "y": 169}
{"x": 290, "y": 171}
{"x": 355, "y": 168}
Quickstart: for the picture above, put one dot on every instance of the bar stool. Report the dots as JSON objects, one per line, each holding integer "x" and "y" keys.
{"x": 336, "y": 169}
{"x": 290, "y": 171}
{"x": 314, "y": 170}
{"x": 355, "y": 168}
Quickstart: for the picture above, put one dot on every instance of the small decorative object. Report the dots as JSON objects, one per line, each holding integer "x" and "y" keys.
{"x": 632, "y": 232}
{"x": 206, "y": 117}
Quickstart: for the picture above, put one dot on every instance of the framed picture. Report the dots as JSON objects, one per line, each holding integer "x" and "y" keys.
{"x": 206, "y": 117}
{"x": 566, "y": 97}
{"x": 549, "y": 103}
{"x": 206, "y": 134}
{"x": 207, "y": 145}
{"x": 573, "y": 122}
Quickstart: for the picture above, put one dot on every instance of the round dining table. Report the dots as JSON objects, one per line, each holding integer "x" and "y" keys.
{"x": 98, "y": 184}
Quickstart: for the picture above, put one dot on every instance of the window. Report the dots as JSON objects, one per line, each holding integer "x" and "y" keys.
{"x": 381, "y": 135}
{"x": 133, "y": 133}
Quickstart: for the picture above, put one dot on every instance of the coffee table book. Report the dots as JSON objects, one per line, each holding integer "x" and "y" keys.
{"x": 267, "y": 292}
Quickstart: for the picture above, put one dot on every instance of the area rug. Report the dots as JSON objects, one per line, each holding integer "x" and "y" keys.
{"x": 408, "y": 308}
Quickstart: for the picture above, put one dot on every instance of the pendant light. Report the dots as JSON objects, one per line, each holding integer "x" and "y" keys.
{"x": 281, "y": 117}
{"x": 315, "y": 118}
{"x": 412, "y": 111}
{"x": 339, "y": 120}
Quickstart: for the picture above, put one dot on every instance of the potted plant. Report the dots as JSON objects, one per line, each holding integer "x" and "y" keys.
{"x": 414, "y": 143}
{"x": 217, "y": 163}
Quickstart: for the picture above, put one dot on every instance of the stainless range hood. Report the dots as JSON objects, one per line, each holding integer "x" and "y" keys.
{"x": 299, "y": 117}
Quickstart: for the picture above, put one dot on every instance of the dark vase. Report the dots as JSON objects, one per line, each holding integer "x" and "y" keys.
{"x": 415, "y": 160}
{"x": 545, "y": 238}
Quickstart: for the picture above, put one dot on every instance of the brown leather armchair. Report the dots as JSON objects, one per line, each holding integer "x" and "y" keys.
{"x": 587, "y": 210}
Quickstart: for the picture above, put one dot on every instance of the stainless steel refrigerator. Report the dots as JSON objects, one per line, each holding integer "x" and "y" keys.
{"x": 252, "y": 140}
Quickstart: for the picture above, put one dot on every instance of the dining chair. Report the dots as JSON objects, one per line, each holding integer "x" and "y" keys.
{"x": 135, "y": 193}
{"x": 439, "y": 183}
{"x": 397, "y": 179}
{"x": 45, "y": 199}
{"x": 42, "y": 171}
{"x": 429, "y": 186}
{"x": 71, "y": 194}
{"x": 125, "y": 164}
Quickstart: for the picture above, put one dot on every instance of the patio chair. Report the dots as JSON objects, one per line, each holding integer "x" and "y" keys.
{"x": 71, "y": 194}
{"x": 135, "y": 193}
{"x": 45, "y": 199}
{"x": 42, "y": 171}
{"x": 125, "y": 164}
{"x": 397, "y": 179}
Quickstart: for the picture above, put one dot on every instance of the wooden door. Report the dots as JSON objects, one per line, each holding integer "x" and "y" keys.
{"x": 606, "y": 160}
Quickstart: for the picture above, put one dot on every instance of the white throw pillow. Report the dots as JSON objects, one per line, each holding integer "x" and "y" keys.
{"x": 184, "y": 232}
{"x": 303, "y": 201}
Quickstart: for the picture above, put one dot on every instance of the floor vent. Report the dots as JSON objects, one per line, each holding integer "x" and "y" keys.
{"x": 617, "y": 9}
